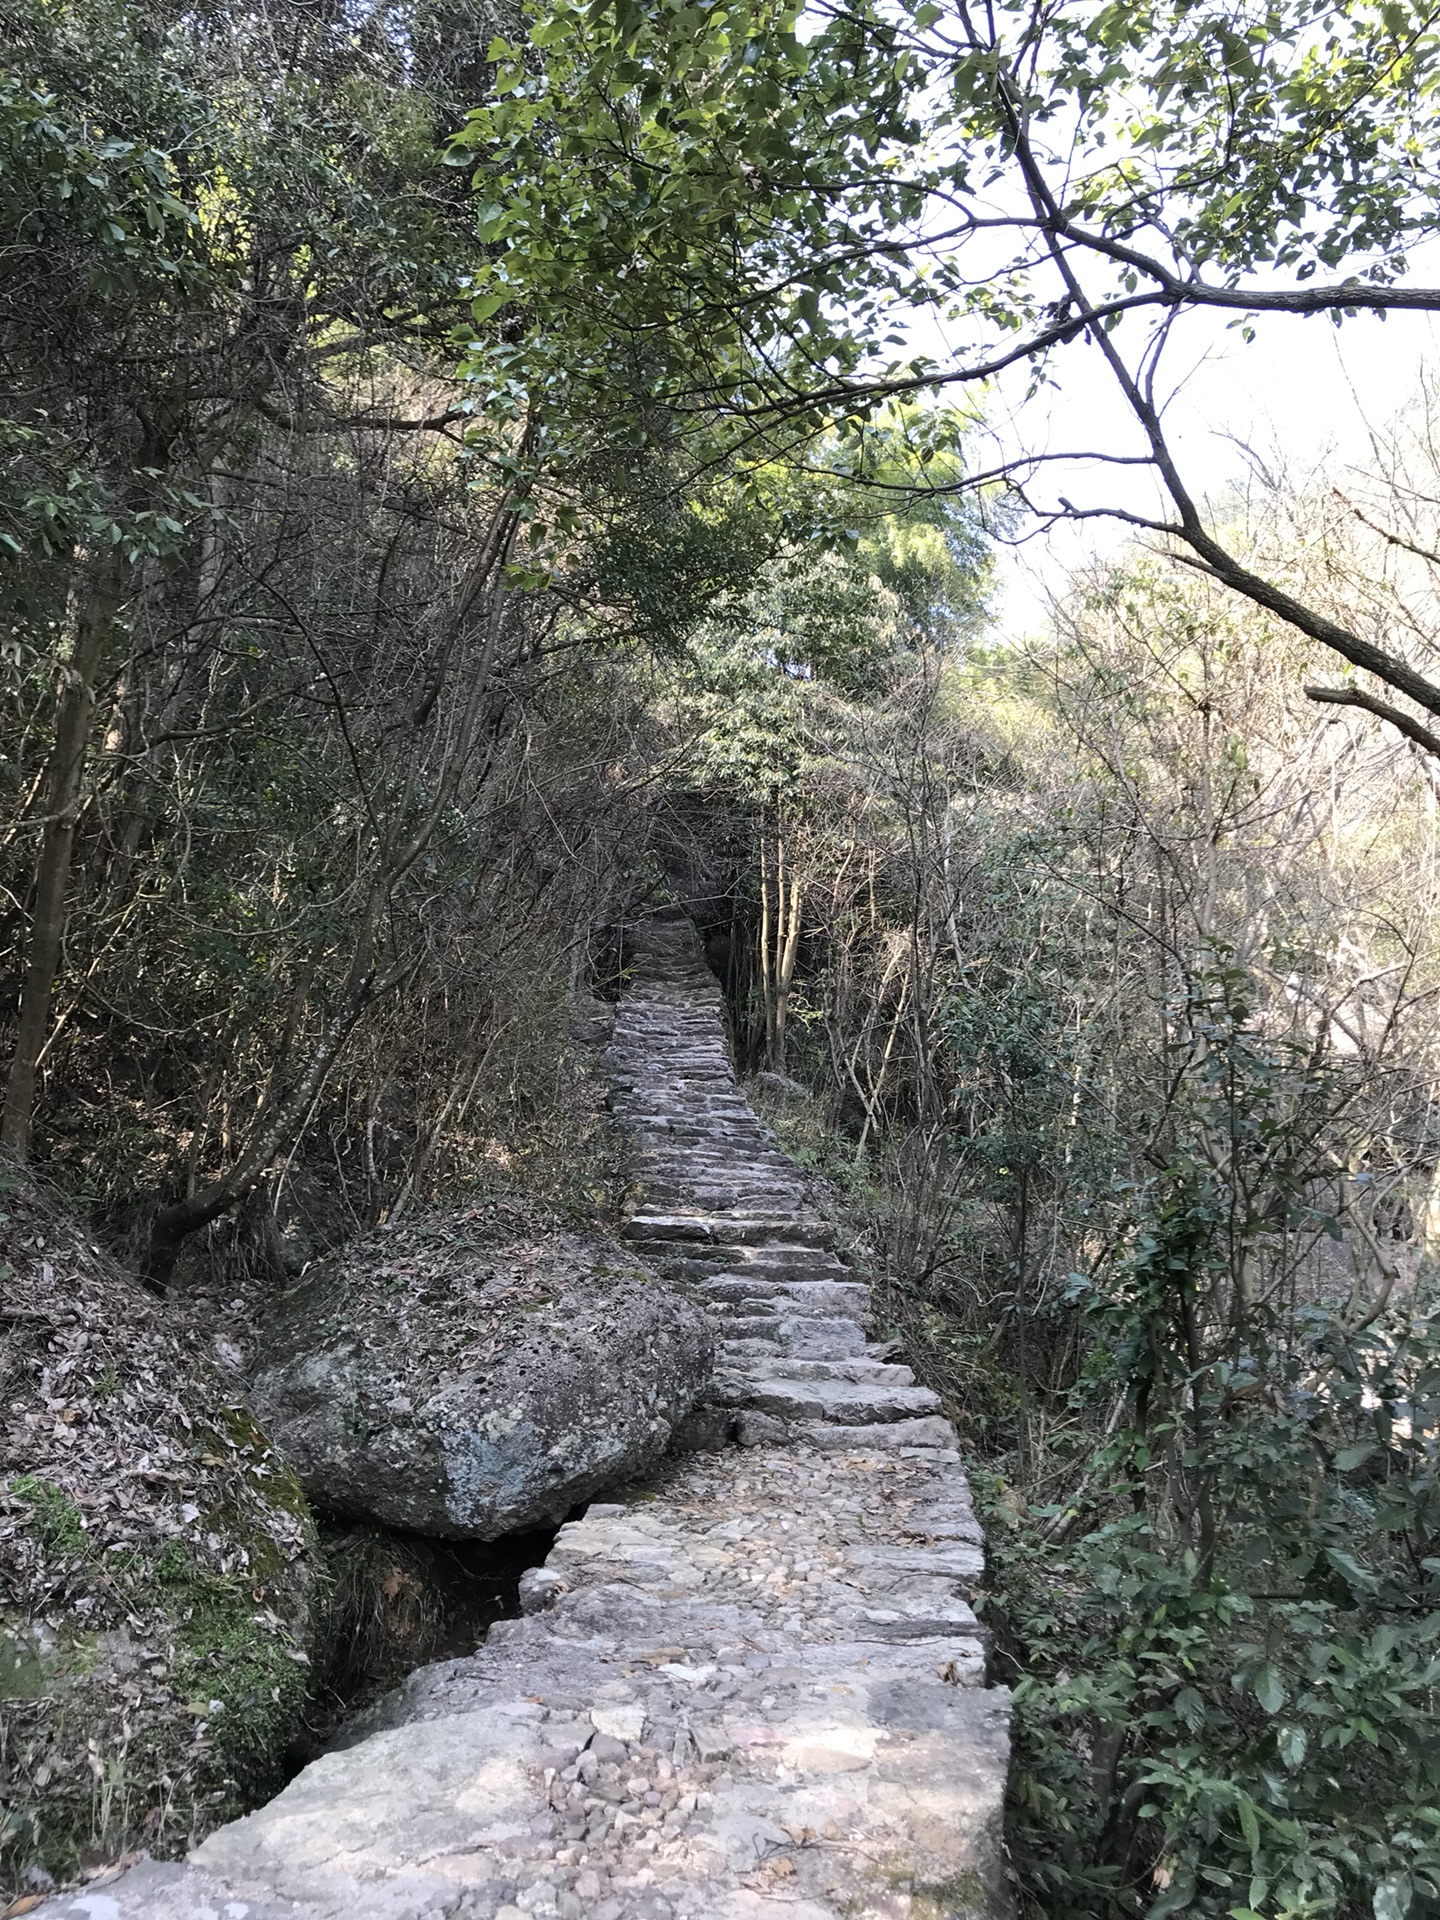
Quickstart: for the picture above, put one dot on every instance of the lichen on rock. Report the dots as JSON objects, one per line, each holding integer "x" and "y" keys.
{"x": 157, "y": 1566}
{"x": 454, "y": 1381}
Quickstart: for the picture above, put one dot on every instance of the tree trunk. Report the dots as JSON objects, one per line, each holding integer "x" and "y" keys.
{"x": 173, "y": 1225}
{"x": 97, "y": 599}
{"x": 766, "y": 985}
{"x": 787, "y": 948}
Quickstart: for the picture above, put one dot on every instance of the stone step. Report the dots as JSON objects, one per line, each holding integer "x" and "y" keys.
{"x": 722, "y": 1119}
{"x": 732, "y": 1288}
{"x": 668, "y": 1163}
{"x": 847, "y": 1403}
{"x": 827, "y": 1303}
{"x": 880, "y": 1372}
{"x": 675, "y": 1161}
{"x": 818, "y": 1339}
{"x": 774, "y": 1266}
{"x": 825, "y": 1337}
{"x": 757, "y": 1327}
{"x": 732, "y": 1230}
{"x": 829, "y": 1340}
{"x": 681, "y": 1193}
{"x": 722, "y": 1196}
{"x": 822, "y": 1298}
{"x": 682, "y": 1131}
{"x": 728, "y": 1317}
{"x": 928, "y": 1431}
{"x": 691, "y": 1183}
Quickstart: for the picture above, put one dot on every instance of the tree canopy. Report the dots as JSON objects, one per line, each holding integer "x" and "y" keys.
{"x": 766, "y": 223}
{"x": 472, "y": 473}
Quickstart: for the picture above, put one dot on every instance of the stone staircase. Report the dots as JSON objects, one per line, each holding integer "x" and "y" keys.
{"x": 752, "y": 1689}
{"x": 727, "y": 1210}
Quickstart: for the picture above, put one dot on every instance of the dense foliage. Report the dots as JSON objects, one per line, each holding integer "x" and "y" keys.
{"x": 1127, "y": 1043}
{"x": 321, "y": 752}
{"x": 466, "y": 470}
{"x": 753, "y": 217}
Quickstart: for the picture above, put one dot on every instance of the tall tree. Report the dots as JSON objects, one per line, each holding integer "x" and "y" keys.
{"x": 290, "y": 623}
{"x": 753, "y": 220}
{"x": 200, "y": 216}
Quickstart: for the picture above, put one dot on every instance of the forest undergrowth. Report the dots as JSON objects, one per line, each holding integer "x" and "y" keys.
{"x": 1116, "y": 1011}
{"x": 420, "y": 550}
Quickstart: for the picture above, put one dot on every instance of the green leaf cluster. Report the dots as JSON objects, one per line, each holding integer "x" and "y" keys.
{"x": 1231, "y": 1641}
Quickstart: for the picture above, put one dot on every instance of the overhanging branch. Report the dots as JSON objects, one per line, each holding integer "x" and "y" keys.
{"x": 1382, "y": 709}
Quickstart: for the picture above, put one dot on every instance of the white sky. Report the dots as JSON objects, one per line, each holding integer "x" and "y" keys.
{"x": 1305, "y": 387}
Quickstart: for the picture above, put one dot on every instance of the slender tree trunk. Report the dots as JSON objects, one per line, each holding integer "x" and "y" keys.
{"x": 767, "y": 992}
{"x": 773, "y": 958}
{"x": 172, "y": 1225}
{"x": 877, "y": 1085}
{"x": 97, "y": 599}
{"x": 787, "y": 948}
{"x": 420, "y": 1159}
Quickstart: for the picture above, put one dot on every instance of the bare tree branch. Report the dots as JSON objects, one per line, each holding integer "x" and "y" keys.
{"x": 1382, "y": 709}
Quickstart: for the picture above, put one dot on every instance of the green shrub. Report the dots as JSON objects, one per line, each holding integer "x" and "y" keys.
{"x": 57, "y": 1522}
{"x": 1226, "y": 1636}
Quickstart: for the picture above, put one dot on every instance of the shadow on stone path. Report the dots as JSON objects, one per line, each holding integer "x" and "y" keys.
{"x": 751, "y": 1690}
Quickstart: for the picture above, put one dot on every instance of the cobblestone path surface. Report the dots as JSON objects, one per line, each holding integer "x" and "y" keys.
{"x": 752, "y": 1689}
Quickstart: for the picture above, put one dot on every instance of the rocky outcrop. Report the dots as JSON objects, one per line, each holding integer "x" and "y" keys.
{"x": 157, "y": 1562}
{"x": 449, "y": 1380}
{"x": 751, "y": 1692}
{"x": 750, "y": 1687}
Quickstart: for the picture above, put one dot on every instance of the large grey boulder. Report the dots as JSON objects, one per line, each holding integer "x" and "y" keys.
{"x": 446, "y": 1379}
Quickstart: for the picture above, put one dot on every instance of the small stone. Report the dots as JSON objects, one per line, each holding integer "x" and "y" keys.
{"x": 539, "y": 1899}
{"x": 540, "y": 1588}
{"x": 759, "y": 1430}
{"x": 621, "y": 1722}
{"x": 713, "y": 1742}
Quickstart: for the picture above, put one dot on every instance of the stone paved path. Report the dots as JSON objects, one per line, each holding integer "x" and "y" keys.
{"x": 752, "y": 1689}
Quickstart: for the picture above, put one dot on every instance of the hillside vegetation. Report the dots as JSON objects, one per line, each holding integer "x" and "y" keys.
{"x": 467, "y": 475}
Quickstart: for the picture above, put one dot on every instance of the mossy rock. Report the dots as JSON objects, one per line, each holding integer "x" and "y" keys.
{"x": 435, "y": 1378}
{"x": 158, "y": 1568}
